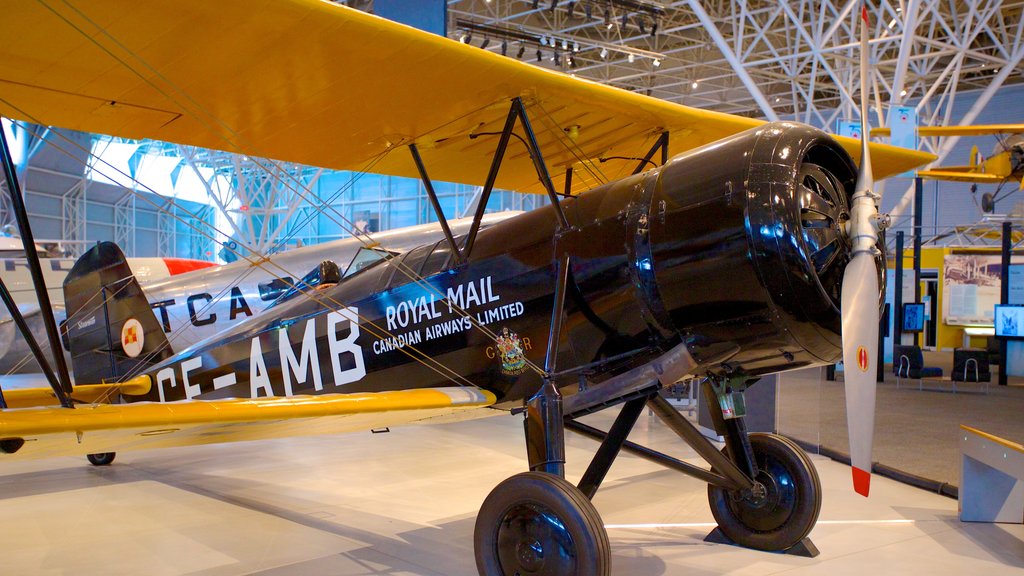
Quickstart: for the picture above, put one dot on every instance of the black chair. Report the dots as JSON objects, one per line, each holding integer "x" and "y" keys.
{"x": 971, "y": 365}
{"x": 908, "y": 362}
{"x": 992, "y": 347}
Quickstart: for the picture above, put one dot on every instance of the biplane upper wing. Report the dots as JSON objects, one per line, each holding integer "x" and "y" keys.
{"x": 979, "y": 130}
{"x": 43, "y": 432}
{"x": 321, "y": 84}
{"x": 961, "y": 174}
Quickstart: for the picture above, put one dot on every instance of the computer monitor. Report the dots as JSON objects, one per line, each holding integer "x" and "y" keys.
{"x": 913, "y": 317}
{"x": 1009, "y": 320}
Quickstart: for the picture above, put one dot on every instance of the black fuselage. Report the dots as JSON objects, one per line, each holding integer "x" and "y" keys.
{"x": 733, "y": 249}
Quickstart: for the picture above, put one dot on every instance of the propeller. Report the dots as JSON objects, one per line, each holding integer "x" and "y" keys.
{"x": 860, "y": 298}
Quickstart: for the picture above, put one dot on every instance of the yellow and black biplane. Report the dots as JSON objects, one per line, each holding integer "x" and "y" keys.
{"x": 1004, "y": 164}
{"x": 731, "y": 258}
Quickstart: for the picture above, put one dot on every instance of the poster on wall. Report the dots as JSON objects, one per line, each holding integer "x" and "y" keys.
{"x": 970, "y": 288}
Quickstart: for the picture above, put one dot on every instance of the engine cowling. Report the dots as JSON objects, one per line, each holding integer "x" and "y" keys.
{"x": 748, "y": 249}
{"x": 735, "y": 248}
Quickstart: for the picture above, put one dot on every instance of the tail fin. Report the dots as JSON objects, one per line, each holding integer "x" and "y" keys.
{"x": 111, "y": 329}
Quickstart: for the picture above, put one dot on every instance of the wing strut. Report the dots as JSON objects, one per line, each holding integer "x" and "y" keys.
{"x": 62, "y": 382}
{"x": 516, "y": 111}
{"x": 661, "y": 143}
{"x": 435, "y": 202}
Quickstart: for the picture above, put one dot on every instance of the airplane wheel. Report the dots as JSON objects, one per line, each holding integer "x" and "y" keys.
{"x": 101, "y": 459}
{"x": 538, "y": 524}
{"x": 785, "y": 511}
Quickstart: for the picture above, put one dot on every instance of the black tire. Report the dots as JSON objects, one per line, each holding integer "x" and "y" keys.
{"x": 538, "y": 524}
{"x": 101, "y": 459}
{"x": 790, "y": 507}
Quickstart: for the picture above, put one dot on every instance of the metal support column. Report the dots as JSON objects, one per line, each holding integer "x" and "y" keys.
{"x": 918, "y": 208}
{"x": 1004, "y": 297}
{"x": 897, "y": 324}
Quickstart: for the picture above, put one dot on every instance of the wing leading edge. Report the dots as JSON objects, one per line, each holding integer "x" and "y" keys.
{"x": 46, "y": 432}
{"x": 338, "y": 88}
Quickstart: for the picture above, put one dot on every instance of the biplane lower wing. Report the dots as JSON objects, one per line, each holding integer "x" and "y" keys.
{"x": 46, "y": 432}
{"x": 952, "y": 174}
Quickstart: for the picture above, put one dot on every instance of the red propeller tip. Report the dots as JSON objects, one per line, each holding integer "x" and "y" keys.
{"x": 861, "y": 481}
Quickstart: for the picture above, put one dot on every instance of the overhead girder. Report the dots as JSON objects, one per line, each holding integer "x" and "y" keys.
{"x": 794, "y": 58}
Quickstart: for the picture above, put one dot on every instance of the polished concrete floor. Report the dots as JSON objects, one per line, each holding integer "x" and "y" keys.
{"x": 405, "y": 502}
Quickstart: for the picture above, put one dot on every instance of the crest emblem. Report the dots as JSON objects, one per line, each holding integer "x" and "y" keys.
{"x": 511, "y": 350}
{"x": 132, "y": 337}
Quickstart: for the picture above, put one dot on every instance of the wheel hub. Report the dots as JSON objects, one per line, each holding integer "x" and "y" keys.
{"x": 770, "y": 501}
{"x": 533, "y": 541}
{"x": 531, "y": 555}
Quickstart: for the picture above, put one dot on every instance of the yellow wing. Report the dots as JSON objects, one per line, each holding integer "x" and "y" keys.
{"x": 318, "y": 83}
{"x": 950, "y": 173}
{"x": 45, "y": 432}
{"x": 979, "y": 130}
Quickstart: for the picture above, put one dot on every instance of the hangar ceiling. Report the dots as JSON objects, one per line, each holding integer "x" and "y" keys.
{"x": 766, "y": 59}
{"x": 775, "y": 60}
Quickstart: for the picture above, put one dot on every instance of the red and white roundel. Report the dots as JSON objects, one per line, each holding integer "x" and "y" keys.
{"x": 132, "y": 337}
{"x": 862, "y": 358}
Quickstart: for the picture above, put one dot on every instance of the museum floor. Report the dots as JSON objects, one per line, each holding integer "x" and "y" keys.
{"x": 405, "y": 502}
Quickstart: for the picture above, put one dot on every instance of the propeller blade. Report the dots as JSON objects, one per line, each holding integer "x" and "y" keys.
{"x": 860, "y": 298}
{"x": 860, "y": 350}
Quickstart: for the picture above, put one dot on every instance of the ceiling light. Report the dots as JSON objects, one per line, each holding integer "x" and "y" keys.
{"x": 565, "y": 44}
{"x": 657, "y": 62}
{"x": 903, "y": 92}
{"x": 631, "y": 58}
{"x": 575, "y": 46}
{"x": 604, "y": 53}
{"x": 694, "y": 85}
{"x": 777, "y": 99}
